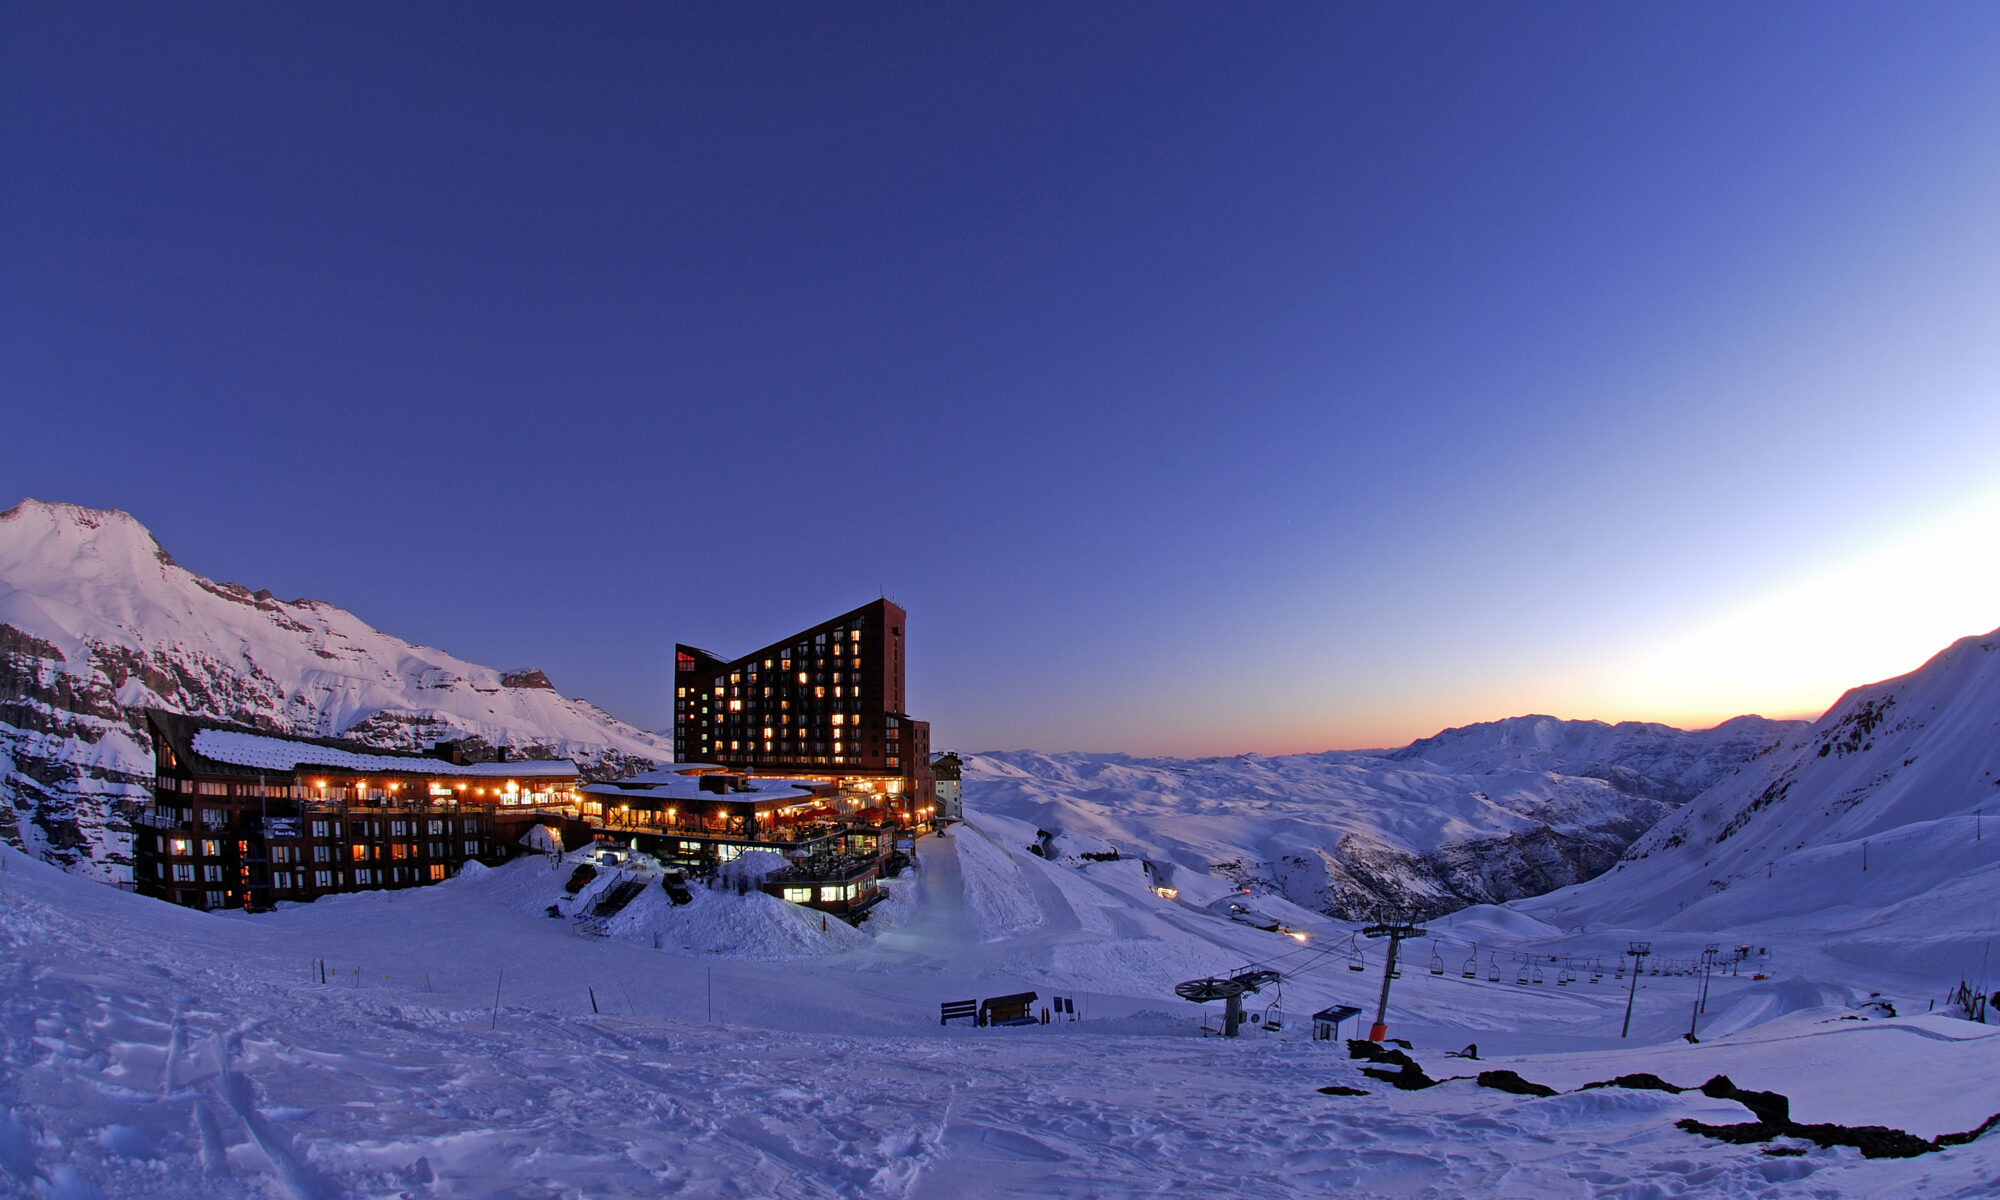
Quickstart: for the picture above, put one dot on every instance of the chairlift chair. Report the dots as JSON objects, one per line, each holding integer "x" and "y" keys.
{"x": 1536, "y": 979}
{"x": 1596, "y": 971}
{"x": 1471, "y": 968}
{"x": 1492, "y": 968}
{"x": 1437, "y": 962}
{"x": 1354, "y": 960}
{"x": 1521, "y": 973}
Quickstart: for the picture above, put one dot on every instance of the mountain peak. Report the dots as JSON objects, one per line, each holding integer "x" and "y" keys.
{"x": 40, "y": 520}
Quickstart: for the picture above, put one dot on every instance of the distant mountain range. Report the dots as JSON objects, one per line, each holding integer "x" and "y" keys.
{"x": 1482, "y": 814}
{"x": 97, "y": 623}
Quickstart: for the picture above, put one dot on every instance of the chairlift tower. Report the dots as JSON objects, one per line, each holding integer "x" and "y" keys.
{"x": 1395, "y": 931}
{"x": 1638, "y": 951}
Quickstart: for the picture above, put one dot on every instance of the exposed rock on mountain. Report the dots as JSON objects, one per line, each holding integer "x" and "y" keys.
{"x": 97, "y": 622}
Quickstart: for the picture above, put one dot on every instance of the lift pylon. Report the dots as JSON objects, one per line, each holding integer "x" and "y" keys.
{"x": 1395, "y": 931}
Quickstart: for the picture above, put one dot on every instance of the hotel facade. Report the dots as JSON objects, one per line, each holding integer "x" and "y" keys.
{"x": 246, "y": 819}
{"x": 826, "y": 704}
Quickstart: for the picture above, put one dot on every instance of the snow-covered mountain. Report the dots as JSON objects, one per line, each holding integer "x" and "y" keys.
{"x": 1873, "y": 816}
{"x": 97, "y": 623}
{"x": 1482, "y": 814}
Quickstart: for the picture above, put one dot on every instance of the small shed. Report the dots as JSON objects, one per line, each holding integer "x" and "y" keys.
{"x": 1016, "y": 1009}
{"x": 1326, "y": 1022}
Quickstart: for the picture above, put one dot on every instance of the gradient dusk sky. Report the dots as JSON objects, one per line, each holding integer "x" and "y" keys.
{"x": 1202, "y": 378}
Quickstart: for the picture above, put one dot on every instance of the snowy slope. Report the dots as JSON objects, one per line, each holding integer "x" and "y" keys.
{"x": 453, "y": 1042}
{"x": 1476, "y": 815}
{"x": 1867, "y": 827}
{"x": 97, "y": 622}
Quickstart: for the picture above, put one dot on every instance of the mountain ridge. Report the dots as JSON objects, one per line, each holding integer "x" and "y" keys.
{"x": 1880, "y": 803}
{"x": 1462, "y": 818}
{"x": 98, "y": 622}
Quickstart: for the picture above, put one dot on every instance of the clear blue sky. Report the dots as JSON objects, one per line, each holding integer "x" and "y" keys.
{"x": 1202, "y": 378}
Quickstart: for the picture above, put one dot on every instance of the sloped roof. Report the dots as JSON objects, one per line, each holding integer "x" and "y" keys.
{"x": 214, "y": 746}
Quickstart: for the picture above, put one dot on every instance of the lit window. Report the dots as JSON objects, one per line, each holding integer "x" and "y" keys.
{"x": 735, "y": 706}
{"x": 798, "y": 895}
{"x": 838, "y": 718}
{"x": 802, "y": 677}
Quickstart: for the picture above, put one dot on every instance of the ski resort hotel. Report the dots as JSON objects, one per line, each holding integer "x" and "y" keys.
{"x": 801, "y": 749}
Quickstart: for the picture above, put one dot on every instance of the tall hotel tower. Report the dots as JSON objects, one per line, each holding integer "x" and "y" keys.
{"x": 825, "y": 703}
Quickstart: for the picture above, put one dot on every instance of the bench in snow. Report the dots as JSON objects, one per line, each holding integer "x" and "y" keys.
{"x": 952, "y": 1010}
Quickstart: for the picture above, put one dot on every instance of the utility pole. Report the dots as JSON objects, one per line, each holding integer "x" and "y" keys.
{"x": 1638, "y": 951}
{"x": 1395, "y": 931}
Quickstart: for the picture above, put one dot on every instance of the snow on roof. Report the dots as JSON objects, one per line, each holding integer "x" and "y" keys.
{"x": 284, "y": 754}
{"x": 671, "y": 771}
{"x": 664, "y": 785}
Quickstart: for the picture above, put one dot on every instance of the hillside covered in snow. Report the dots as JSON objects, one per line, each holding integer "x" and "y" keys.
{"x": 456, "y": 1041}
{"x": 1477, "y": 815}
{"x": 97, "y": 623}
{"x": 1870, "y": 820}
